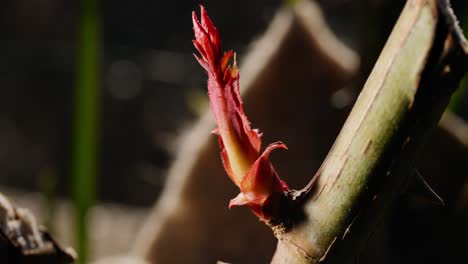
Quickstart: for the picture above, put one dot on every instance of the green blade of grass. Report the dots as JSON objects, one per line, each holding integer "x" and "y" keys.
{"x": 87, "y": 104}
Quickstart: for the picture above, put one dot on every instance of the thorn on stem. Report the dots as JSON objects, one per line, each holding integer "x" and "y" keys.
{"x": 428, "y": 187}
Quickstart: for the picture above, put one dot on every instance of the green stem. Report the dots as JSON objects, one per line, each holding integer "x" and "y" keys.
{"x": 86, "y": 130}
{"x": 402, "y": 100}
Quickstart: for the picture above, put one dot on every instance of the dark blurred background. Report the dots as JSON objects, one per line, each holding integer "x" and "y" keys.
{"x": 150, "y": 87}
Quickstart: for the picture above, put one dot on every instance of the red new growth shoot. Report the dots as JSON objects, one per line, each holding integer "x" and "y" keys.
{"x": 248, "y": 168}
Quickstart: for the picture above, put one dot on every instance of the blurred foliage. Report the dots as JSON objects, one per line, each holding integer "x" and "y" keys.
{"x": 290, "y": 2}
{"x": 458, "y": 97}
{"x": 87, "y": 105}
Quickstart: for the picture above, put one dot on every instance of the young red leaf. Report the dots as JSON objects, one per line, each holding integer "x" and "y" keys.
{"x": 240, "y": 145}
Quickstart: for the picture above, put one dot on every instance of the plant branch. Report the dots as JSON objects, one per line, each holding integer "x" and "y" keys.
{"x": 402, "y": 100}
